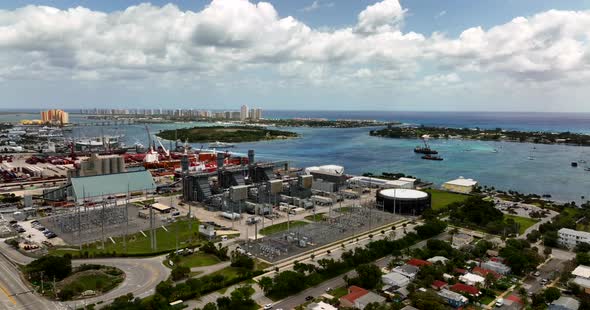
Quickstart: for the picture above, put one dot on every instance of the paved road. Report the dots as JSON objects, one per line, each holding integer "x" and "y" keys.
{"x": 15, "y": 294}
{"x": 142, "y": 275}
{"x": 548, "y": 271}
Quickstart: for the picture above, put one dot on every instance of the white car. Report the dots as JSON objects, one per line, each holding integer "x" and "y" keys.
{"x": 500, "y": 302}
{"x": 267, "y": 307}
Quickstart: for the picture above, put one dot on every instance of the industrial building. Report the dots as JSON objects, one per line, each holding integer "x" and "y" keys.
{"x": 460, "y": 185}
{"x": 98, "y": 187}
{"x": 99, "y": 165}
{"x": 382, "y": 183}
{"x": 403, "y": 201}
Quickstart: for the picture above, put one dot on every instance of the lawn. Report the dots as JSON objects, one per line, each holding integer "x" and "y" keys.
{"x": 98, "y": 280}
{"x": 273, "y": 229}
{"x": 338, "y": 292}
{"x": 523, "y": 222}
{"x": 316, "y": 218}
{"x": 441, "y": 199}
{"x": 138, "y": 244}
{"x": 229, "y": 273}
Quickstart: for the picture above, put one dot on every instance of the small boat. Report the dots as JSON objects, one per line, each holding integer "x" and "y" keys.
{"x": 531, "y": 158}
{"x": 574, "y": 164}
{"x": 220, "y": 144}
{"x": 430, "y": 157}
{"x": 424, "y": 149}
{"x": 587, "y": 169}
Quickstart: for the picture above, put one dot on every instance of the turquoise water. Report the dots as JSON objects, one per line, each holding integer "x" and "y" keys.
{"x": 509, "y": 168}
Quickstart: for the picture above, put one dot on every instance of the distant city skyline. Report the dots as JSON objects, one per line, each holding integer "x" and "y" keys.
{"x": 529, "y": 55}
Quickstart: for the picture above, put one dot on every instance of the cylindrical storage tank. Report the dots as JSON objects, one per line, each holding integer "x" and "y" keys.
{"x": 403, "y": 201}
{"x": 251, "y": 157}
{"x": 115, "y": 168}
{"x": 106, "y": 165}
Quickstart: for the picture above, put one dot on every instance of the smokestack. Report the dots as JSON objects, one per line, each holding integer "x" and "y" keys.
{"x": 251, "y": 157}
{"x": 220, "y": 158}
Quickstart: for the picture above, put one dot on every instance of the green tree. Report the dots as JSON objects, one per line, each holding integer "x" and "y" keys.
{"x": 210, "y": 306}
{"x": 180, "y": 272}
{"x": 368, "y": 276}
{"x": 551, "y": 294}
{"x": 427, "y": 300}
{"x": 50, "y": 266}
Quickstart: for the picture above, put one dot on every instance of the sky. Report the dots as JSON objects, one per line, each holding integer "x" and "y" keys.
{"x": 427, "y": 55}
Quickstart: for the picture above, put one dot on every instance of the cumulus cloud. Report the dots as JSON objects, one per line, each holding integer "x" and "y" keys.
{"x": 228, "y": 36}
{"x": 384, "y": 16}
{"x": 317, "y": 4}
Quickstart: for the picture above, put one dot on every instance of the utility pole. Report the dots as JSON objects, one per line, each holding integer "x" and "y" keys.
{"x": 102, "y": 222}
{"x": 126, "y": 220}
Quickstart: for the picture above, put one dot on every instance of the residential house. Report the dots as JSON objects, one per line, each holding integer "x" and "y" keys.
{"x": 409, "y": 271}
{"x": 358, "y": 297}
{"x": 395, "y": 279}
{"x": 418, "y": 262}
{"x": 438, "y": 285}
{"x": 582, "y": 276}
{"x": 472, "y": 279}
{"x": 438, "y": 259}
{"x": 455, "y": 300}
{"x": 496, "y": 266}
{"x": 484, "y": 272}
{"x": 465, "y": 289}
{"x": 320, "y": 306}
{"x": 564, "y": 303}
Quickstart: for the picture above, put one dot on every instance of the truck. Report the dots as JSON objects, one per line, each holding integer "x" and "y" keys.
{"x": 230, "y": 215}
{"x": 252, "y": 220}
{"x": 322, "y": 201}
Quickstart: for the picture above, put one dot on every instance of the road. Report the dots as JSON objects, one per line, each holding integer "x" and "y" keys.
{"x": 15, "y": 294}
{"x": 142, "y": 275}
{"x": 548, "y": 271}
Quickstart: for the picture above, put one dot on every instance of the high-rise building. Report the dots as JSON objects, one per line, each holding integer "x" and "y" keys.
{"x": 244, "y": 112}
{"x": 258, "y": 113}
{"x": 55, "y": 117}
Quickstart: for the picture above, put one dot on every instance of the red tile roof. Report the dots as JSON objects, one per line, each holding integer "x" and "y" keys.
{"x": 461, "y": 271}
{"x": 484, "y": 272}
{"x": 438, "y": 283}
{"x": 464, "y": 288}
{"x": 354, "y": 293}
{"x": 418, "y": 262}
{"x": 515, "y": 299}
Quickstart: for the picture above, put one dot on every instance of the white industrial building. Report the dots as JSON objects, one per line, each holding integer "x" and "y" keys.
{"x": 570, "y": 238}
{"x": 381, "y": 183}
{"x": 460, "y": 185}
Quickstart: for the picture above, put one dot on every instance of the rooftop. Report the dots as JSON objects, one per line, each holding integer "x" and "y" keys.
{"x": 403, "y": 193}
{"x": 462, "y": 182}
{"x": 110, "y": 184}
{"x": 439, "y": 283}
{"x": 582, "y": 271}
{"x": 464, "y": 288}
{"x": 418, "y": 262}
{"x": 355, "y": 293}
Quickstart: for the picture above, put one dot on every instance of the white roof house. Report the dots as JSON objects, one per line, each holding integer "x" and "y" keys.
{"x": 320, "y": 306}
{"x": 471, "y": 279}
{"x": 460, "y": 185}
{"x": 582, "y": 271}
{"x": 395, "y": 279}
{"x": 436, "y": 259}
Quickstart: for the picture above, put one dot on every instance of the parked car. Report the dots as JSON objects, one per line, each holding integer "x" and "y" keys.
{"x": 537, "y": 273}
{"x": 308, "y": 298}
{"x": 267, "y": 307}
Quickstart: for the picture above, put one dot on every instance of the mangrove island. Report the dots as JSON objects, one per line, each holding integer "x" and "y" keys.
{"x": 497, "y": 134}
{"x": 232, "y": 134}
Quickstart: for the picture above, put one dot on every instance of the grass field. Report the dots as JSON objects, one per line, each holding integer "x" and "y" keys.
{"x": 316, "y": 218}
{"x": 140, "y": 244}
{"x": 523, "y": 222}
{"x": 441, "y": 199}
{"x": 98, "y": 280}
{"x": 273, "y": 229}
{"x": 197, "y": 260}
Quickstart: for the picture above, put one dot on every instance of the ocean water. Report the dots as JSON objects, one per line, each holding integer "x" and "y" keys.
{"x": 508, "y": 168}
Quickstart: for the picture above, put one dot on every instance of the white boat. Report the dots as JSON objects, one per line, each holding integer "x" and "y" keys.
{"x": 220, "y": 144}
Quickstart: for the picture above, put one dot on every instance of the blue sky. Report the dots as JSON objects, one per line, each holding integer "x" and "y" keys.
{"x": 520, "y": 55}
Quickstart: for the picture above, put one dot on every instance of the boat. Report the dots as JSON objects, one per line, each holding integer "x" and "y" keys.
{"x": 220, "y": 144}
{"x": 425, "y": 149}
{"x": 430, "y": 157}
{"x": 574, "y": 164}
{"x": 587, "y": 169}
